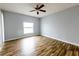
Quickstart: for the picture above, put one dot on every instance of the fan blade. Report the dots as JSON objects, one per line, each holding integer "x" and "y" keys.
{"x": 37, "y": 12}
{"x": 41, "y": 6}
{"x": 32, "y": 10}
{"x": 43, "y": 10}
{"x": 37, "y": 6}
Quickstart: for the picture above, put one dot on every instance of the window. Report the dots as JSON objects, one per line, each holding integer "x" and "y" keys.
{"x": 28, "y": 27}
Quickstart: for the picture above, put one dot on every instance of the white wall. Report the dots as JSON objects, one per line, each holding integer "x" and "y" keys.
{"x": 1, "y": 29}
{"x": 62, "y": 25}
{"x": 14, "y": 25}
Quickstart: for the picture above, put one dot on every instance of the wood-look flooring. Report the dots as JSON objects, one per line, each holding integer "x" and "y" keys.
{"x": 38, "y": 46}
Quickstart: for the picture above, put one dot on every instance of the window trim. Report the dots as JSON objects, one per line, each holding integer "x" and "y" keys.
{"x": 28, "y": 28}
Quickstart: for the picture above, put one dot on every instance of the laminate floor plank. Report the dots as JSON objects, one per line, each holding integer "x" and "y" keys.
{"x": 38, "y": 46}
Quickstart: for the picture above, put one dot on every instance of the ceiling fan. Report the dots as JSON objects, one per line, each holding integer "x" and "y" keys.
{"x": 38, "y": 8}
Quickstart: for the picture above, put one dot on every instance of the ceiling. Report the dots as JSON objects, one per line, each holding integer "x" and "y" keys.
{"x": 24, "y": 8}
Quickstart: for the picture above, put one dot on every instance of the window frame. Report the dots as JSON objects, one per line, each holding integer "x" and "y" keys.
{"x": 27, "y": 27}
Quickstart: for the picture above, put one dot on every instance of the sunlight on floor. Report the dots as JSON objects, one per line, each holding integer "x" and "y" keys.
{"x": 28, "y": 46}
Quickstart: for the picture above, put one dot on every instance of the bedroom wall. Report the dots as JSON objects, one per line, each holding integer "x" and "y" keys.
{"x": 13, "y": 23}
{"x": 62, "y": 25}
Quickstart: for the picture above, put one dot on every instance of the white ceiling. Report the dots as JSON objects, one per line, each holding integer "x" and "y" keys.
{"x": 24, "y": 8}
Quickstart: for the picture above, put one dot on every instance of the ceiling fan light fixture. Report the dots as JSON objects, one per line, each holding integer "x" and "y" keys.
{"x": 39, "y": 8}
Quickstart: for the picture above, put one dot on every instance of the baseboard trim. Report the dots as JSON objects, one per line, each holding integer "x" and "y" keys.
{"x": 61, "y": 40}
{"x": 45, "y": 36}
{"x": 20, "y": 37}
{"x": 14, "y": 38}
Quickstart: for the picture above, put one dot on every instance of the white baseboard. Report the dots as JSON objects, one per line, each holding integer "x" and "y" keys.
{"x": 62, "y": 40}
{"x": 45, "y": 36}
{"x": 23, "y": 36}
{"x": 14, "y": 38}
